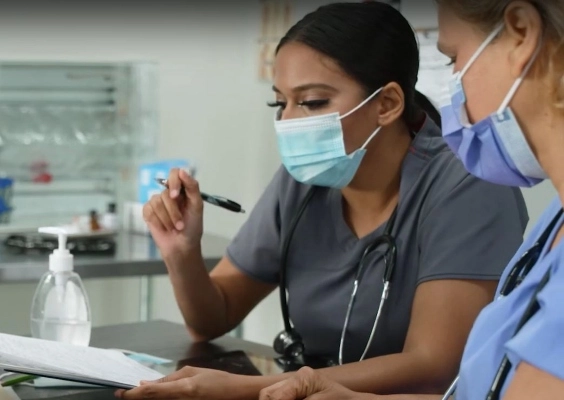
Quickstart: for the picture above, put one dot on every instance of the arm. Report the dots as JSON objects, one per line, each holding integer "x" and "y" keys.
{"x": 442, "y": 316}
{"x": 537, "y": 350}
{"x": 532, "y": 383}
{"x": 309, "y": 384}
{"x": 191, "y": 383}
{"x": 213, "y": 304}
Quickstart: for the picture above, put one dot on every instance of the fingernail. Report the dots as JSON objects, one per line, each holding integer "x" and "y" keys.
{"x": 179, "y": 225}
{"x": 173, "y": 193}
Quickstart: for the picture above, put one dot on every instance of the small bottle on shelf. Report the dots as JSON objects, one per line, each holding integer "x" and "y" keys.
{"x": 94, "y": 224}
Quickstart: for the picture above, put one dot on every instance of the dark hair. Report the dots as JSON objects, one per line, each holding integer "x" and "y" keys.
{"x": 425, "y": 105}
{"x": 371, "y": 41}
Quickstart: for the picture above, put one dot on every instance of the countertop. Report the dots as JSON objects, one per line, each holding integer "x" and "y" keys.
{"x": 136, "y": 255}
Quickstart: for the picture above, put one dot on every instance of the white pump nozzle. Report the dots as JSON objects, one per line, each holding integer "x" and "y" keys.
{"x": 61, "y": 259}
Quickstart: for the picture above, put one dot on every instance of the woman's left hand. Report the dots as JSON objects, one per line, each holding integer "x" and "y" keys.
{"x": 191, "y": 383}
{"x": 309, "y": 384}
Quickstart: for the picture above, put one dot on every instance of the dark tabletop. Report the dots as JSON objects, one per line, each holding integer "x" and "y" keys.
{"x": 158, "y": 338}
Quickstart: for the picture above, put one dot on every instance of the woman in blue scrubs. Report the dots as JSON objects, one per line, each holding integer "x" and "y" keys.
{"x": 504, "y": 119}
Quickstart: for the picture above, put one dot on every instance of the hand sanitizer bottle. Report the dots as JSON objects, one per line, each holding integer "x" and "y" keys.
{"x": 60, "y": 309}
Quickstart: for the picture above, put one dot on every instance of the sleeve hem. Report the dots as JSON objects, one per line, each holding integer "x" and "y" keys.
{"x": 461, "y": 276}
{"x": 250, "y": 274}
{"x": 536, "y": 361}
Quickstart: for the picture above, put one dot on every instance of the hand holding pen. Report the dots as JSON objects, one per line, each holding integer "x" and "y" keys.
{"x": 208, "y": 198}
{"x": 175, "y": 216}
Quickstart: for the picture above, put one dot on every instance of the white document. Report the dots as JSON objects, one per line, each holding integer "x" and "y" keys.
{"x": 69, "y": 362}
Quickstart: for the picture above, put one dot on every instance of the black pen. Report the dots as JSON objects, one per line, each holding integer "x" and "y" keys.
{"x": 215, "y": 200}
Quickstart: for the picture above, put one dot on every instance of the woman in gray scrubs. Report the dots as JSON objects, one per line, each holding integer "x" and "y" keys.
{"x": 347, "y": 124}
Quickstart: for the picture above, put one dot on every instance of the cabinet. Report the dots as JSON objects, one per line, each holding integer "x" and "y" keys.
{"x": 72, "y": 135}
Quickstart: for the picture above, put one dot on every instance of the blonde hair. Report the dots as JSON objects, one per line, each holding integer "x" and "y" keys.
{"x": 486, "y": 14}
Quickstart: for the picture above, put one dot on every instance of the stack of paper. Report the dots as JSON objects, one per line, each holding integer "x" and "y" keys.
{"x": 73, "y": 363}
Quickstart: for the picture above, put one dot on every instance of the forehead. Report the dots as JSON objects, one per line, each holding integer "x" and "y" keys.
{"x": 297, "y": 64}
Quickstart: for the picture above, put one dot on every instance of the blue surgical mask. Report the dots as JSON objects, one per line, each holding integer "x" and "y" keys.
{"x": 313, "y": 149}
{"x": 495, "y": 148}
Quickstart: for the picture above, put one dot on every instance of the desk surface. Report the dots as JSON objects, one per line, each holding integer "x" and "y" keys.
{"x": 159, "y": 338}
{"x": 136, "y": 255}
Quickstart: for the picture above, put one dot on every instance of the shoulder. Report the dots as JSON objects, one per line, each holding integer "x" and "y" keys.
{"x": 438, "y": 167}
{"x": 444, "y": 177}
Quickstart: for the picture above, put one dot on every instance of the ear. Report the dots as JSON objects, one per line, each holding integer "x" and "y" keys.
{"x": 524, "y": 27}
{"x": 391, "y": 104}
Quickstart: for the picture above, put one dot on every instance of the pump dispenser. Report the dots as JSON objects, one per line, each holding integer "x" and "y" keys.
{"x": 60, "y": 309}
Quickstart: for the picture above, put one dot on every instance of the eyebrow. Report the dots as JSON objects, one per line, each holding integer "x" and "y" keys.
{"x": 308, "y": 86}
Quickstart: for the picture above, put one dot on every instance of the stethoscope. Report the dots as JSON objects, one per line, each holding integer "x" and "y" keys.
{"x": 516, "y": 275}
{"x": 289, "y": 343}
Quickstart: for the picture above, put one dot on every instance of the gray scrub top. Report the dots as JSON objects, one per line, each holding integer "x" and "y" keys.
{"x": 449, "y": 225}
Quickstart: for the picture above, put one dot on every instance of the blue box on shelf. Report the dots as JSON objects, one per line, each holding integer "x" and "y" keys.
{"x": 6, "y": 194}
{"x": 147, "y": 186}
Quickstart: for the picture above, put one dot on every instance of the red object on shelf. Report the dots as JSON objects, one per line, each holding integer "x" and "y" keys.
{"x": 40, "y": 172}
{"x": 43, "y": 178}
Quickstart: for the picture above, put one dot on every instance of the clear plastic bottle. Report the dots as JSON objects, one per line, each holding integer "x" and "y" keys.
{"x": 60, "y": 309}
{"x": 110, "y": 218}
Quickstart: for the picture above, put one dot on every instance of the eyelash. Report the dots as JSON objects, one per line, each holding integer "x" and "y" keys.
{"x": 310, "y": 104}
{"x": 451, "y": 62}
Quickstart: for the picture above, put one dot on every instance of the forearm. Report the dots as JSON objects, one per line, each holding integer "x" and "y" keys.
{"x": 394, "y": 373}
{"x": 200, "y": 301}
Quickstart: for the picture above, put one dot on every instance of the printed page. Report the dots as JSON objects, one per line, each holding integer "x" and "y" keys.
{"x": 78, "y": 361}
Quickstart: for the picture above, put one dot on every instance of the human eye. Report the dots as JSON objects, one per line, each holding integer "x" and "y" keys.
{"x": 280, "y": 105}
{"x": 314, "y": 105}
{"x": 451, "y": 62}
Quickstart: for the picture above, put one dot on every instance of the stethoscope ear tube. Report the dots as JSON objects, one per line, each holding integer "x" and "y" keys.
{"x": 284, "y": 259}
{"x": 451, "y": 389}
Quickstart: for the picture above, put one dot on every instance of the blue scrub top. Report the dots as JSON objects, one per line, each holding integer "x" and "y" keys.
{"x": 540, "y": 342}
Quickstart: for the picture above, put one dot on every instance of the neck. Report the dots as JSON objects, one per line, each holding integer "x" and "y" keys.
{"x": 550, "y": 151}
{"x": 375, "y": 187}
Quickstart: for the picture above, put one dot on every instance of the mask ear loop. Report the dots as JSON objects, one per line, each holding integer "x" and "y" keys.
{"x": 518, "y": 82}
{"x": 371, "y": 137}
{"x": 361, "y": 104}
{"x": 480, "y": 50}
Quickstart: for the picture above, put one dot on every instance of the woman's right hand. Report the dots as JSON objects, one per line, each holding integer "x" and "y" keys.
{"x": 175, "y": 217}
